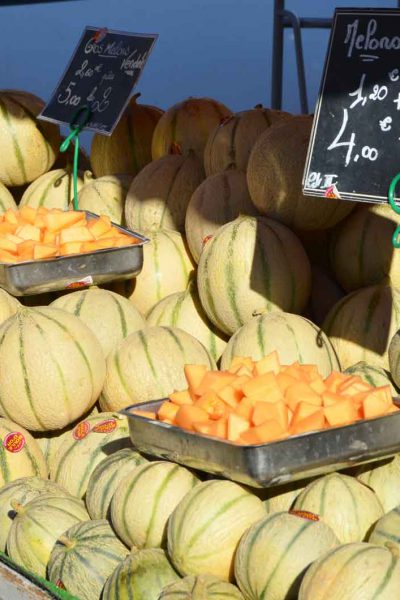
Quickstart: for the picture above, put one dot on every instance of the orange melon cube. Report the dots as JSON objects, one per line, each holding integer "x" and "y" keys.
{"x": 295, "y": 371}
{"x": 353, "y": 386}
{"x": 93, "y": 246}
{"x": 167, "y": 411}
{"x": 70, "y": 248}
{"x": 264, "y": 411}
{"x": 236, "y": 425}
{"x": 334, "y": 381}
{"x": 144, "y": 413}
{"x": 41, "y": 251}
{"x": 99, "y": 227}
{"x": 40, "y": 222}
{"x": 122, "y": 241}
{"x": 268, "y": 364}
{"x": 314, "y": 422}
{"x": 230, "y": 396}
{"x": 8, "y": 257}
{"x": 7, "y": 227}
{"x": 9, "y": 245}
{"x": 263, "y": 384}
{"x": 374, "y": 406}
{"x": 212, "y": 428}
{"x": 285, "y": 381}
{"x": 181, "y": 398}
{"x": 309, "y": 372}
{"x": 269, "y": 431}
{"x": 189, "y": 414}
{"x": 28, "y": 214}
{"x": 194, "y": 375}
{"x": 49, "y": 237}
{"x": 318, "y": 385}
{"x": 25, "y": 249}
{"x": 249, "y": 438}
{"x": 241, "y": 361}
{"x": 341, "y": 413}
{"x": 12, "y": 238}
{"x": 56, "y": 220}
{"x": 11, "y": 216}
{"x": 214, "y": 380}
{"x": 75, "y": 234}
{"x": 240, "y": 380}
{"x": 301, "y": 392}
{"x": 302, "y": 411}
{"x": 245, "y": 408}
{"x": 29, "y": 232}
{"x": 329, "y": 398}
{"x": 213, "y": 405}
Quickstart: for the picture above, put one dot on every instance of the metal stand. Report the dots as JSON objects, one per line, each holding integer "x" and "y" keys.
{"x": 284, "y": 19}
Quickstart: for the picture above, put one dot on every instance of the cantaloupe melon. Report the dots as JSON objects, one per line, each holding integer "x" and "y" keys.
{"x": 149, "y": 365}
{"x": 274, "y": 176}
{"x": 362, "y": 324}
{"x": 274, "y": 553}
{"x": 325, "y": 293}
{"x": 384, "y": 478}
{"x": 163, "y": 484}
{"x": 353, "y": 572}
{"x": 361, "y": 248}
{"x": 105, "y": 479}
{"x": 20, "y": 455}
{"x": 52, "y": 190}
{"x": 128, "y": 149}
{"x": 28, "y": 147}
{"x": 205, "y": 528}
{"x": 394, "y": 356}
{"x": 36, "y": 527}
{"x": 387, "y": 530}
{"x": 219, "y": 199}
{"x": 105, "y": 196}
{"x": 184, "y": 310}
{"x": 52, "y": 368}
{"x": 22, "y": 490}
{"x": 346, "y": 505}
{"x": 293, "y": 337}
{"x": 203, "y": 587}
{"x": 142, "y": 576}
{"x": 252, "y": 265}
{"x": 83, "y": 448}
{"x": 231, "y": 142}
{"x": 6, "y": 199}
{"x": 110, "y": 316}
{"x": 186, "y": 126}
{"x": 8, "y": 305}
{"x": 166, "y": 269}
{"x": 159, "y": 195}
{"x": 84, "y": 557}
{"x": 372, "y": 375}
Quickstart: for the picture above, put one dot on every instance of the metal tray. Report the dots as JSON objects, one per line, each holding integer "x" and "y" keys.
{"x": 77, "y": 270}
{"x": 267, "y": 465}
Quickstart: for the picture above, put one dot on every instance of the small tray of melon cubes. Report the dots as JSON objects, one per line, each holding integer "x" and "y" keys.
{"x": 266, "y": 424}
{"x": 43, "y": 250}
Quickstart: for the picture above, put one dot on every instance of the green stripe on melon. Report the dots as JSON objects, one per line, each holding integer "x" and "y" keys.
{"x": 6, "y": 199}
{"x": 163, "y": 485}
{"x": 252, "y": 265}
{"x": 110, "y": 316}
{"x": 52, "y": 190}
{"x": 353, "y": 571}
{"x": 203, "y": 587}
{"x": 36, "y": 527}
{"x": 142, "y": 576}
{"x": 293, "y": 337}
{"x": 20, "y": 455}
{"x": 51, "y": 368}
{"x": 106, "y": 478}
{"x": 206, "y": 526}
{"x": 105, "y": 196}
{"x": 149, "y": 365}
{"x": 343, "y": 503}
{"x": 84, "y": 557}
{"x": 274, "y": 553}
{"x": 94, "y": 438}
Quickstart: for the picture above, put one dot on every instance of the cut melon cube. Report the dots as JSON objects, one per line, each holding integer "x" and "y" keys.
{"x": 212, "y": 428}
{"x": 70, "y": 248}
{"x": 314, "y": 422}
{"x": 11, "y": 216}
{"x": 341, "y": 413}
{"x": 44, "y": 251}
{"x": 302, "y": 411}
{"x": 285, "y": 381}
{"x": 194, "y": 375}
{"x": 270, "y": 431}
{"x": 189, "y": 414}
{"x": 180, "y": 398}
{"x": 301, "y": 392}
{"x": 230, "y": 396}
{"x": 294, "y": 370}
{"x": 144, "y": 413}
{"x": 6, "y": 227}
{"x": 75, "y": 234}
{"x": 25, "y": 249}
{"x": 213, "y": 405}
{"x": 236, "y": 426}
{"x": 29, "y": 232}
{"x": 264, "y": 411}
{"x": 262, "y": 384}
{"x": 318, "y": 385}
{"x": 241, "y": 361}
{"x": 99, "y": 227}
{"x": 245, "y": 408}
{"x": 329, "y": 398}
{"x": 10, "y": 246}
{"x": 268, "y": 364}
{"x": 374, "y": 406}
{"x": 28, "y": 214}
{"x": 167, "y": 411}
{"x": 335, "y": 380}
{"x": 96, "y": 245}
{"x": 56, "y": 220}
{"x": 8, "y": 257}
{"x": 49, "y": 237}
{"x": 239, "y": 382}
{"x": 121, "y": 241}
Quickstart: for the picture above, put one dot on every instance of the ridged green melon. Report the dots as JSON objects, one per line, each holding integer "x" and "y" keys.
{"x": 274, "y": 176}
{"x": 84, "y": 557}
{"x": 6, "y": 199}
{"x": 203, "y": 587}
{"x": 29, "y": 147}
{"x": 387, "y": 530}
{"x": 8, "y": 305}
{"x": 106, "y": 478}
{"x": 249, "y": 266}
{"x": 361, "y": 248}
{"x": 83, "y": 448}
{"x": 394, "y": 355}
{"x": 353, "y": 572}
{"x": 362, "y": 324}
{"x": 186, "y": 126}
{"x": 22, "y": 490}
{"x": 105, "y": 196}
{"x": 384, "y": 478}
{"x": 184, "y": 310}
{"x": 159, "y": 195}
{"x": 128, "y": 149}
{"x": 232, "y": 141}
{"x": 346, "y": 505}
{"x": 220, "y": 199}
{"x": 52, "y": 190}
{"x": 372, "y": 375}
{"x": 149, "y": 364}
{"x": 166, "y": 269}
{"x": 52, "y": 368}
{"x": 293, "y": 337}
{"x": 110, "y": 316}
{"x": 36, "y": 527}
{"x": 163, "y": 485}
{"x": 20, "y": 455}
{"x": 205, "y": 528}
{"x": 274, "y": 553}
{"x": 142, "y": 576}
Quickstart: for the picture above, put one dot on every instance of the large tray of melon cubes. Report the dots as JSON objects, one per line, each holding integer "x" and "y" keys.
{"x": 43, "y": 250}
{"x": 266, "y": 424}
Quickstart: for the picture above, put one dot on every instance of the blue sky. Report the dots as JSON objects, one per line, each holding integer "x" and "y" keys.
{"x": 218, "y": 48}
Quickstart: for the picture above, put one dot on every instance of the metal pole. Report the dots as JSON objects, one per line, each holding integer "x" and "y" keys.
{"x": 277, "y": 55}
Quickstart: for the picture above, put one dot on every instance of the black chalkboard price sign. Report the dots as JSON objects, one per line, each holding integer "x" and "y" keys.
{"x": 354, "y": 149}
{"x": 101, "y": 74}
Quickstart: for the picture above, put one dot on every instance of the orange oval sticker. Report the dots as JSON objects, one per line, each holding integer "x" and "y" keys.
{"x": 304, "y": 514}
{"x": 81, "y": 430}
{"x": 14, "y": 441}
{"x": 206, "y": 239}
{"x": 105, "y": 426}
{"x": 60, "y": 584}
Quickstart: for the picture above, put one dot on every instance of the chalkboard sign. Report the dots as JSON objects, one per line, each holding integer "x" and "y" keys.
{"x": 354, "y": 150}
{"x": 101, "y": 74}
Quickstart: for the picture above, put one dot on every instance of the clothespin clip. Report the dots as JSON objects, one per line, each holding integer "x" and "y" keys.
{"x": 99, "y": 35}
{"x": 395, "y": 207}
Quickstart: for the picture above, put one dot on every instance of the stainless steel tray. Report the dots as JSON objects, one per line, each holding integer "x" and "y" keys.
{"x": 267, "y": 465}
{"x": 77, "y": 270}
